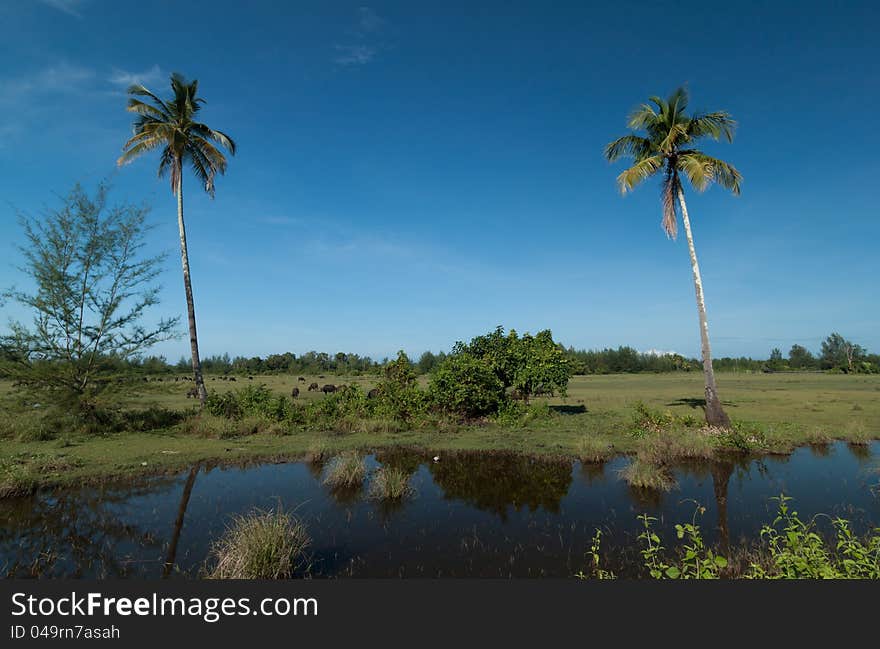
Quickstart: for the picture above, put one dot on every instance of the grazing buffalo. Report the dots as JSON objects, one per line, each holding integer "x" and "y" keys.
{"x": 373, "y": 394}
{"x": 302, "y": 379}
{"x": 250, "y": 378}
{"x": 231, "y": 378}
{"x": 327, "y": 389}
{"x": 320, "y": 376}
{"x": 193, "y": 392}
{"x": 294, "y": 393}
{"x": 313, "y": 387}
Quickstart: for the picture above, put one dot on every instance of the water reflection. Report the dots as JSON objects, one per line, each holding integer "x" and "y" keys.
{"x": 178, "y": 522}
{"x": 498, "y": 481}
{"x": 473, "y": 514}
{"x": 78, "y": 534}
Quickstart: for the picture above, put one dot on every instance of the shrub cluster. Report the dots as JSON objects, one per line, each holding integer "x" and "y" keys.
{"x": 479, "y": 380}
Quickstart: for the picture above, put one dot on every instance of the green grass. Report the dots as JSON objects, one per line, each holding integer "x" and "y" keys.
{"x": 346, "y": 471}
{"x": 390, "y": 483}
{"x": 260, "y": 545}
{"x": 774, "y": 413}
{"x": 648, "y": 475}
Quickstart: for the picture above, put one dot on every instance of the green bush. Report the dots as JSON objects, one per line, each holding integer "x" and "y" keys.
{"x": 250, "y": 401}
{"x": 466, "y": 386}
{"x": 398, "y": 395}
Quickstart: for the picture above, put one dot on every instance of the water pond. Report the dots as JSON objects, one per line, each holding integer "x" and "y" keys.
{"x": 472, "y": 515}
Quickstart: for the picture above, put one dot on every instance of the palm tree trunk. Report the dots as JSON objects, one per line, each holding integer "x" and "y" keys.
{"x": 190, "y": 306}
{"x": 171, "y": 557}
{"x": 715, "y": 415}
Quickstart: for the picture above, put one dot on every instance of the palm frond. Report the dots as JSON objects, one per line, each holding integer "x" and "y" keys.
{"x": 136, "y": 146}
{"x": 211, "y": 154}
{"x": 211, "y": 134}
{"x": 678, "y": 101}
{"x": 628, "y": 146}
{"x": 672, "y": 138}
{"x": 170, "y": 124}
{"x": 202, "y": 169}
{"x": 642, "y": 117}
{"x": 696, "y": 168}
{"x": 145, "y": 109}
{"x": 714, "y": 125}
{"x": 725, "y": 174}
{"x": 643, "y": 169}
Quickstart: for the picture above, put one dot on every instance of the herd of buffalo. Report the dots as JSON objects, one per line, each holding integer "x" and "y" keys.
{"x": 328, "y": 388}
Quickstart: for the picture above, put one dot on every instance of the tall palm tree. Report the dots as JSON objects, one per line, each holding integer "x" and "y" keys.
{"x": 171, "y": 125}
{"x": 667, "y": 147}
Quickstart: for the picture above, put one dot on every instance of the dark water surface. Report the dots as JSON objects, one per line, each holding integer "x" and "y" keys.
{"x": 473, "y": 515}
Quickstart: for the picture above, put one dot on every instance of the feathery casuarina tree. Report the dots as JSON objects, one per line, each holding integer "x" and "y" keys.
{"x": 172, "y": 127}
{"x": 92, "y": 289}
{"x": 667, "y": 147}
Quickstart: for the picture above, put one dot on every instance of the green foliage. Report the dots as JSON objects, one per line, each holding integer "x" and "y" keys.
{"x": 650, "y": 421}
{"x": 517, "y": 414}
{"x": 252, "y": 400}
{"x": 466, "y": 386}
{"x": 797, "y": 551}
{"x": 540, "y": 365}
{"x": 625, "y": 360}
{"x": 669, "y": 147}
{"x": 398, "y": 395}
{"x": 695, "y": 562}
{"x": 652, "y": 552}
{"x": 800, "y": 358}
{"x": 597, "y": 571}
{"x": 530, "y": 365}
{"x": 841, "y": 354}
{"x": 173, "y": 126}
{"x": 793, "y": 549}
{"x": 93, "y": 289}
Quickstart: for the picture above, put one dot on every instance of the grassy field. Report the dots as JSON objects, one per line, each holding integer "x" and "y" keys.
{"x": 787, "y": 409}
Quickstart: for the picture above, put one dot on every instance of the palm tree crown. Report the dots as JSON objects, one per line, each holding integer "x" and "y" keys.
{"x": 668, "y": 145}
{"x": 172, "y": 125}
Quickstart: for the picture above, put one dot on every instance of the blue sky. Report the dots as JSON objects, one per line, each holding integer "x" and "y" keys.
{"x": 411, "y": 174}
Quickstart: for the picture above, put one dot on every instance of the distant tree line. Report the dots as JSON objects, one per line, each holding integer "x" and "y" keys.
{"x": 837, "y": 354}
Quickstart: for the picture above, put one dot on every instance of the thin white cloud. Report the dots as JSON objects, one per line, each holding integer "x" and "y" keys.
{"x": 369, "y": 20}
{"x": 124, "y": 79}
{"x": 362, "y": 46}
{"x": 70, "y": 7}
{"x": 61, "y": 77}
{"x": 354, "y": 54}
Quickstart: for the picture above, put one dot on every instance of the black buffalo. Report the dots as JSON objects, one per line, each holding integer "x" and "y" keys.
{"x": 327, "y": 389}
